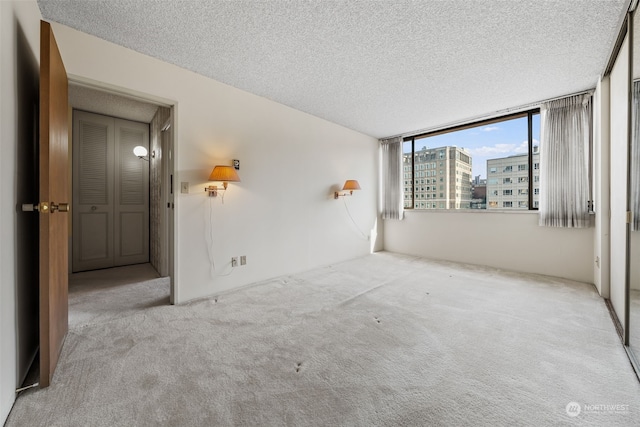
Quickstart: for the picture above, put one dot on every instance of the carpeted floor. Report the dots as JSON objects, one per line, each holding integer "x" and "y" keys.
{"x": 383, "y": 340}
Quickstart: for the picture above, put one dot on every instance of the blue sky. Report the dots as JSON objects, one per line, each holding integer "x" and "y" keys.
{"x": 492, "y": 141}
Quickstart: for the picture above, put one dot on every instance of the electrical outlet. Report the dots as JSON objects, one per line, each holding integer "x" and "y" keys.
{"x": 243, "y": 260}
{"x": 184, "y": 187}
{"x": 234, "y": 261}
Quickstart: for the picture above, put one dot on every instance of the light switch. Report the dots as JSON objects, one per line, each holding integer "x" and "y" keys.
{"x": 184, "y": 187}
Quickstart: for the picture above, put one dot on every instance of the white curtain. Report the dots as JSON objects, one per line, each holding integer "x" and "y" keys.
{"x": 564, "y": 157}
{"x": 392, "y": 202}
{"x": 635, "y": 157}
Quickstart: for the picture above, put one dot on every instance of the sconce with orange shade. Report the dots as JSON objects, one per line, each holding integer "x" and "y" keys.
{"x": 349, "y": 185}
{"x": 224, "y": 174}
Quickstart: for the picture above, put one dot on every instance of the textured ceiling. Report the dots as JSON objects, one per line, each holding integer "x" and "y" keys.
{"x": 380, "y": 67}
{"x": 96, "y": 101}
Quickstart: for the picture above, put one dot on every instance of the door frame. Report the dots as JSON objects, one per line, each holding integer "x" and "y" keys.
{"x": 161, "y": 102}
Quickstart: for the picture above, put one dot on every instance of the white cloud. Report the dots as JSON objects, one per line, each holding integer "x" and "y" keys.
{"x": 522, "y": 148}
{"x": 493, "y": 150}
{"x": 490, "y": 128}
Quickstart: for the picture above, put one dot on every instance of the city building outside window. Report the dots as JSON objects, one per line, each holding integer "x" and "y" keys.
{"x": 506, "y": 148}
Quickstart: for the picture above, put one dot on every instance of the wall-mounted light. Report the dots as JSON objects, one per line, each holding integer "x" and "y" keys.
{"x": 349, "y": 185}
{"x": 142, "y": 152}
{"x": 225, "y": 174}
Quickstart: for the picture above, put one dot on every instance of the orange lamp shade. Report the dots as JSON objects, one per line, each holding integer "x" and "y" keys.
{"x": 350, "y": 185}
{"x": 225, "y": 174}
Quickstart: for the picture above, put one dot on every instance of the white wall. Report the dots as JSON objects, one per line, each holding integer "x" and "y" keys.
{"x": 601, "y": 272}
{"x": 619, "y": 108}
{"x": 19, "y": 53}
{"x": 508, "y": 240}
{"x": 282, "y": 215}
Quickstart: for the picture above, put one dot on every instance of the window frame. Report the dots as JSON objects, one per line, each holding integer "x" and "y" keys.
{"x": 529, "y": 114}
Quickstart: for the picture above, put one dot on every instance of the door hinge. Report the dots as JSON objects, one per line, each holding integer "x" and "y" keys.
{"x": 629, "y": 217}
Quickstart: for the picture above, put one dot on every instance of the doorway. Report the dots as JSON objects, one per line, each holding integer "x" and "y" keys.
{"x": 110, "y": 192}
{"x": 152, "y": 221}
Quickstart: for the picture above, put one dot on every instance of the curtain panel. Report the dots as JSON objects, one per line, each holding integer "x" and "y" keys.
{"x": 392, "y": 202}
{"x": 564, "y": 157}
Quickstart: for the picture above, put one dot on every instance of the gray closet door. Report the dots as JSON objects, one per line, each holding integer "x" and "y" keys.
{"x": 92, "y": 191}
{"x": 110, "y": 192}
{"x": 131, "y": 194}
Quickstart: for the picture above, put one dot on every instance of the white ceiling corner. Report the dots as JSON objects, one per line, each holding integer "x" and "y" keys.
{"x": 379, "y": 67}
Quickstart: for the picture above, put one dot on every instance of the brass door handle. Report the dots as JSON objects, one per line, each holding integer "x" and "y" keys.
{"x": 60, "y": 207}
{"x": 42, "y": 207}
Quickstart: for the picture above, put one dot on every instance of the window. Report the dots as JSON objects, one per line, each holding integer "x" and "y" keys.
{"x": 506, "y": 149}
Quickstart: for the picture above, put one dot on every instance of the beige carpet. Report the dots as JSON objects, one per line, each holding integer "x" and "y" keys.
{"x": 384, "y": 340}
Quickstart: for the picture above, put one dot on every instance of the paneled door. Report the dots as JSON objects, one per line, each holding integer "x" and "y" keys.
{"x": 54, "y": 198}
{"x": 110, "y": 192}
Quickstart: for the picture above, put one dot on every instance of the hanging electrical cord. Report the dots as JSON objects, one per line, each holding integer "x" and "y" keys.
{"x": 346, "y": 207}
{"x": 212, "y": 261}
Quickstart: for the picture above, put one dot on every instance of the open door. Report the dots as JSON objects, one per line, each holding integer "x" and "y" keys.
{"x": 54, "y": 203}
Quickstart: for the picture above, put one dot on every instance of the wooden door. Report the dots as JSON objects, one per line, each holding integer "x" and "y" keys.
{"x": 54, "y": 199}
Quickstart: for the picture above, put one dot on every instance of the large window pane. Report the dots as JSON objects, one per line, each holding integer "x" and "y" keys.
{"x": 481, "y": 167}
{"x": 407, "y": 171}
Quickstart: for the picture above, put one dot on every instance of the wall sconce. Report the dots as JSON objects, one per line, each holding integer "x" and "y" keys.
{"x": 225, "y": 174}
{"x": 349, "y": 185}
{"x": 142, "y": 152}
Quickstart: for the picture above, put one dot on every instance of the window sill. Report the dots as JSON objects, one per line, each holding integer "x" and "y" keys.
{"x": 474, "y": 211}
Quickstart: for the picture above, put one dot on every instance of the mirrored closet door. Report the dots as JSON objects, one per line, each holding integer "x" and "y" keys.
{"x": 634, "y": 201}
